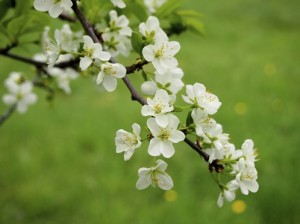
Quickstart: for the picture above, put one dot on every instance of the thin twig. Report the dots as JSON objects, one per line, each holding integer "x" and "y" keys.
{"x": 7, "y": 114}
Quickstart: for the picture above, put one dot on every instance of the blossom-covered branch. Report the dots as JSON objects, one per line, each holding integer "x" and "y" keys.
{"x": 97, "y": 54}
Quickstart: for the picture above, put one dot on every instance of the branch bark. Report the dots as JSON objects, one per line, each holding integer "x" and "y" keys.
{"x": 7, "y": 114}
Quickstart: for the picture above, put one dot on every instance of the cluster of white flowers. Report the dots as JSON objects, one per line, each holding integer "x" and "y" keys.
{"x": 162, "y": 87}
{"x": 19, "y": 92}
{"x": 63, "y": 47}
{"x": 117, "y": 35}
{"x": 165, "y": 128}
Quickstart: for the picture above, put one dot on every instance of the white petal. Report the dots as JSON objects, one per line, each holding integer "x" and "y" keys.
{"x": 220, "y": 200}
{"x": 174, "y": 47}
{"x": 167, "y": 149}
{"x": 144, "y": 181}
{"x": 161, "y": 165}
{"x": 169, "y": 62}
{"x": 55, "y": 11}
{"x": 165, "y": 182}
{"x": 128, "y": 154}
{"x": 177, "y": 136}
{"x": 154, "y": 147}
{"x": 100, "y": 77}
{"x": 85, "y": 62}
{"x": 162, "y": 120}
{"x": 148, "y": 53}
{"x": 109, "y": 83}
{"x": 42, "y": 5}
{"x": 147, "y": 111}
{"x": 153, "y": 126}
{"x": 149, "y": 87}
{"x": 9, "y": 99}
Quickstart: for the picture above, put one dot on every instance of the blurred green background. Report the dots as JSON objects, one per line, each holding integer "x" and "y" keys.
{"x": 58, "y": 162}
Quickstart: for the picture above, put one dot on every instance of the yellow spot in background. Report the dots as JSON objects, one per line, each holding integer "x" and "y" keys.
{"x": 170, "y": 196}
{"x": 238, "y": 206}
{"x": 240, "y": 108}
{"x": 270, "y": 69}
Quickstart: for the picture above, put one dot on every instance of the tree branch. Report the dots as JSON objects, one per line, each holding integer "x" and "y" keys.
{"x": 7, "y": 114}
{"x": 134, "y": 94}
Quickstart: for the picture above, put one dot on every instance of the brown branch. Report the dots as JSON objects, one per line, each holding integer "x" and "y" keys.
{"x": 7, "y": 114}
{"x": 67, "y": 17}
{"x": 136, "y": 67}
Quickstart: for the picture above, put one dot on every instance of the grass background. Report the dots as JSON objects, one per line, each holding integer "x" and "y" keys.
{"x": 58, "y": 162}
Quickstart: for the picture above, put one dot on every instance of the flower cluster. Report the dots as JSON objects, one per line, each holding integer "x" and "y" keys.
{"x": 70, "y": 52}
{"x": 19, "y": 92}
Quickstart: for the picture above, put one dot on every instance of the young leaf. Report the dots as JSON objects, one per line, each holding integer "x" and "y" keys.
{"x": 137, "y": 42}
{"x": 189, "y": 119}
{"x": 168, "y": 8}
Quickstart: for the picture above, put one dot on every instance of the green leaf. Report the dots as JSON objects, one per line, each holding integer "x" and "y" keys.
{"x": 4, "y": 7}
{"x": 188, "y": 13}
{"x": 26, "y": 24}
{"x": 137, "y": 42}
{"x": 22, "y": 7}
{"x": 189, "y": 119}
{"x": 168, "y": 8}
{"x": 4, "y": 41}
{"x": 137, "y": 10}
{"x": 144, "y": 74}
{"x": 194, "y": 25}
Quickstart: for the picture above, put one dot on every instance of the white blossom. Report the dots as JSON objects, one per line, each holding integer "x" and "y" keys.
{"x": 162, "y": 140}
{"x": 108, "y": 74}
{"x": 127, "y": 142}
{"x": 227, "y": 192}
{"x": 152, "y": 31}
{"x": 116, "y": 37}
{"x": 92, "y": 51}
{"x": 54, "y": 7}
{"x": 119, "y": 3}
{"x": 246, "y": 177}
{"x": 202, "y": 122}
{"x": 200, "y": 98}
{"x": 248, "y": 152}
{"x": 158, "y": 107}
{"x": 155, "y": 176}
{"x": 216, "y": 139}
{"x": 153, "y": 5}
{"x": 170, "y": 81}
{"x": 20, "y": 94}
{"x": 63, "y": 77}
{"x": 161, "y": 54}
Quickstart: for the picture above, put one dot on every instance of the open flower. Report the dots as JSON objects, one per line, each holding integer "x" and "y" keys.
{"x": 200, "y": 98}
{"x": 92, "y": 51}
{"x": 127, "y": 142}
{"x": 156, "y": 176}
{"x": 161, "y": 54}
{"x": 151, "y": 30}
{"x": 169, "y": 81}
{"x": 246, "y": 177}
{"x": 63, "y": 77}
{"x": 108, "y": 74}
{"x": 202, "y": 121}
{"x": 54, "y": 7}
{"x": 20, "y": 95}
{"x": 162, "y": 140}
{"x": 227, "y": 192}
{"x": 158, "y": 107}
